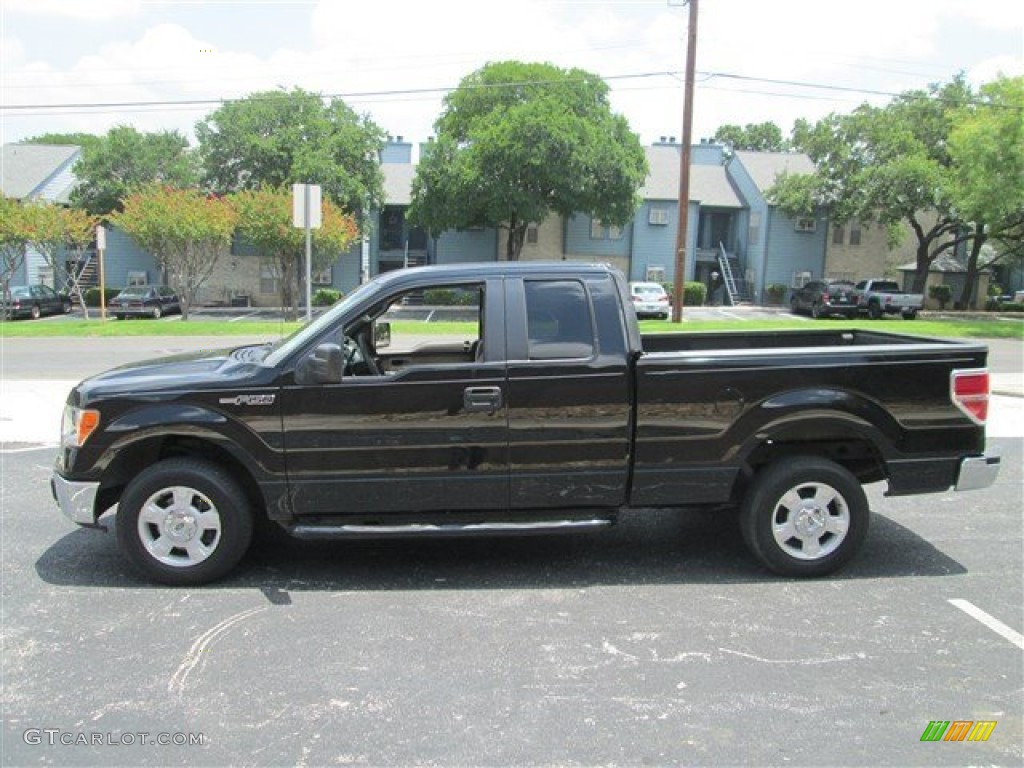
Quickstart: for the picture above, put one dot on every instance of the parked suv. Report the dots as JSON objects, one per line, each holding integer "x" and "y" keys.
{"x": 824, "y": 298}
{"x": 144, "y": 301}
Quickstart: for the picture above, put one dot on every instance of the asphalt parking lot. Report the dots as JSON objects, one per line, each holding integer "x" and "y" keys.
{"x": 659, "y": 642}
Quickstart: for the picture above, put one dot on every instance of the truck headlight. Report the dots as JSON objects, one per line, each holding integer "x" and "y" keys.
{"x": 77, "y": 424}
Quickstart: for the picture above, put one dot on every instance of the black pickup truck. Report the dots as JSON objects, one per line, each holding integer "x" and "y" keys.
{"x": 550, "y": 413}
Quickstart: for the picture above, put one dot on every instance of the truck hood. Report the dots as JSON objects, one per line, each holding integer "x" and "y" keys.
{"x": 192, "y": 371}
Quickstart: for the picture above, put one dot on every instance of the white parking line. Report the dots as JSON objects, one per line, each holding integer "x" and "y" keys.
{"x": 992, "y": 623}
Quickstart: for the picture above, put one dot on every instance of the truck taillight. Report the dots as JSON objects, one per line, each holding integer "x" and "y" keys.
{"x": 969, "y": 391}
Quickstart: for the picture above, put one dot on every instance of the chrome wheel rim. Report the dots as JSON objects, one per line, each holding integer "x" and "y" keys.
{"x": 179, "y": 526}
{"x": 810, "y": 521}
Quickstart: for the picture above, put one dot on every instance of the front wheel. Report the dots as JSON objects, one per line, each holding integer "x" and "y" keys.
{"x": 157, "y": 313}
{"x": 66, "y": 307}
{"x": 875, "y": 311}
{"x": 804, "y": 516}
{"x": 184, "y": 522}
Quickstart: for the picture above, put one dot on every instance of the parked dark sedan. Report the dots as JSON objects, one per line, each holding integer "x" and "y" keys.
{"x": 35, "y": 301}
{"x": 144, "y": 301}
{"x": 824, "y": 298}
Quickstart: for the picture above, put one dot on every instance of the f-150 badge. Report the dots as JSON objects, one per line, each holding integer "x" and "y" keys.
{"x": 248, "y": 400}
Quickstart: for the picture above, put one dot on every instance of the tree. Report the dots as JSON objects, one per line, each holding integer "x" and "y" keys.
{"x": 277, "y": 138}
{"x": 184, "y": 229}
{"x": 890, "y": 164}
{"x": 517, "y": 141}
{"x": 55, "y": 232}
{"x": 15, "y": 234}
{"x": 987, "y": 189}
{"x": 756, "y": 137}
{"x": 265, "y": 221}
{"x": 124, "y": 160}
{"x": 87, "y": 141}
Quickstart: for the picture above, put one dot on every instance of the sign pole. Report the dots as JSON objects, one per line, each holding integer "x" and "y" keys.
{"x": 101, "y": 246}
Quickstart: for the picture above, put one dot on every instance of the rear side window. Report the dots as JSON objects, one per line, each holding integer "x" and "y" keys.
{"x": 559, "y": 320}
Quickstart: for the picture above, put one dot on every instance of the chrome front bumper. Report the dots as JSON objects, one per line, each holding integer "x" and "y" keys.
{"x": 977, "y": 472}
{"x": 76, "y": 500}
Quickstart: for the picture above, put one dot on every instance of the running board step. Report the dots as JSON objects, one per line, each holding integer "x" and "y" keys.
{"x": 448, "y": 529}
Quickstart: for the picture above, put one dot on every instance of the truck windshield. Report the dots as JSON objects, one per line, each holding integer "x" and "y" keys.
{"x": 289, "y": 344}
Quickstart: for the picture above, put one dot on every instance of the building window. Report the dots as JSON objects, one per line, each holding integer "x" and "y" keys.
{"x": 837, "y": 235}
{"x": 800, "y": 279}
{"x": 137, "y": 277}
{"x": 531, "y": 234}
{"x": 806, "y": 224}
{"x": 855, "y": 232}
{"x": 596, "y": 229}
{"x": 323, "y": 277}
{"x": 655, "y": 274}
{"x": 614, "y": 233}
{"x": 754, "y": 228}
{"x": 658, "y": 216}
{"x": 269, "y": 283}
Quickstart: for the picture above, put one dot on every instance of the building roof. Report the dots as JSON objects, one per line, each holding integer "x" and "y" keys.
{"x": 765, "y": 167}
{"x": 708, "y": 183}
{"x": 25, "y": 170}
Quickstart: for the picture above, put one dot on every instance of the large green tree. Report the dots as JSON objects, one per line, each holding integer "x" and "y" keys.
{"x": 889, "y": 164}
{"x": 987, "y": 186}
{"x": 87, "y": 141}
{"x": 56, "y": 233}
{"x": 277, "y": 138}
{"x": 757, "y": 137}
{"x": 15, "y": 235}
{"x": 185, "y": 230}
{"x": 265, "y": 222}
{"x": 517, "y": 141}
{"x": 125, "y": 160}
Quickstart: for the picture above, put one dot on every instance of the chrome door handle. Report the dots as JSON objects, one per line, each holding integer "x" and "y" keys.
{"x": 487, "y": 399}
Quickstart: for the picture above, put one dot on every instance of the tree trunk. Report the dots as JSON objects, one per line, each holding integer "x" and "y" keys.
{"x": 516, "y": 238}
{"x": 971, "y": 281}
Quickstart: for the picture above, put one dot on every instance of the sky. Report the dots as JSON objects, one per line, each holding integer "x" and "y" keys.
{"x": 88, "y": 65}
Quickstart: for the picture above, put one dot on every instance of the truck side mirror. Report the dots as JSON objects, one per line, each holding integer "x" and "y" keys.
{"x": 381, "y": 335}
{"x": 322, "y": 366}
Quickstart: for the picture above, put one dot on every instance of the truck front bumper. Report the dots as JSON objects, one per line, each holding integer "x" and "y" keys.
{"x": 76, "y": 500}
{"x": 977, "y": 472}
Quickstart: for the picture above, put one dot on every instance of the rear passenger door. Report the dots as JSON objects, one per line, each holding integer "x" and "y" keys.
{"x": 569, "y": 403}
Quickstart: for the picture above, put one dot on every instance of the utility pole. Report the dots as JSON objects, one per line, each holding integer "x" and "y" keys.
{"x": 684, "y": 167}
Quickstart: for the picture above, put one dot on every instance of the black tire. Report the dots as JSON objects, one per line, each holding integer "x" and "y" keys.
{"x": 66, "y": 307}
{"x": 184, "y": 522}
{"x": 35, "y": 312}
{"x": 816, "y": 311}
{"x": 910, "y": 315}
{"x": 157, "y": 313}
{"x": 875, "y": 311}
{"x": 815, "y": 538}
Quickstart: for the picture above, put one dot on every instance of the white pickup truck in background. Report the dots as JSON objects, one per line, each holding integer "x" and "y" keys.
{"x": 883, "y": 297}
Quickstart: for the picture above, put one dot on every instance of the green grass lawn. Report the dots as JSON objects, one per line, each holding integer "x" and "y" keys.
{"x": 985, "y": 328}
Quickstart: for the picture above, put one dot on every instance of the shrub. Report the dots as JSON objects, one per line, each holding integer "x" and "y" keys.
{"x": 774, "y": 293}
{"x": 449, "y": 297}
{"x": 694, "y": 294}
{"x": 994, "y": 305}
{"x": 92, "y": 295}
{"x": 941, "y": 293}
{"x": 325, "y": 297}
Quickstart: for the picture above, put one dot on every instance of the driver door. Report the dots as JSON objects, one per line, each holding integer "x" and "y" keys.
{"x": 426, "y": 430}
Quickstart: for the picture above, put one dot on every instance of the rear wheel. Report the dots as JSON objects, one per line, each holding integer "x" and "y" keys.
{"x": 183, "y": 522}
{"x": 804, "y": 516}
{"x": 157, "y": 313}
{"x": 66, "y": 307}
{"x": 875, "y": 311}
{"x": 35, "y": 312}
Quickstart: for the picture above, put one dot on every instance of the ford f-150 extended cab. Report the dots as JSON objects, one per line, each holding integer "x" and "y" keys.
{"x": 552, "y": 413}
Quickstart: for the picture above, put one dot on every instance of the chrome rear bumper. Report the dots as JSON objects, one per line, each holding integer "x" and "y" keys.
{"x": 977, "y": 472}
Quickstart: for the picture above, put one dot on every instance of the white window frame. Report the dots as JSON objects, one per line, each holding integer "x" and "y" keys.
{"x": 806, "y": 224}
{"x": 655, "y": 273}
{"x": 658, "y": 216}
{"x": 137, "y": 277}
{"x": 800, "y": 279}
